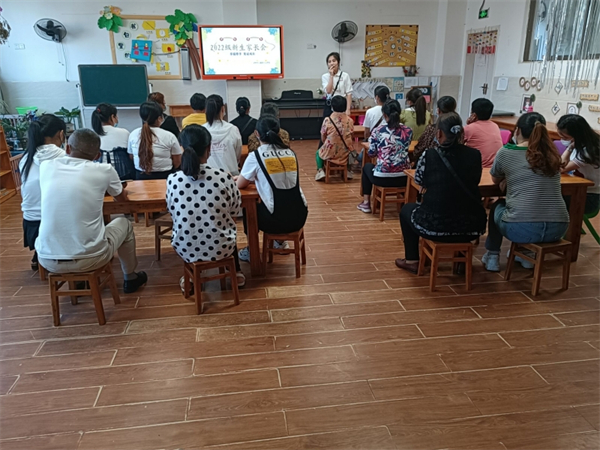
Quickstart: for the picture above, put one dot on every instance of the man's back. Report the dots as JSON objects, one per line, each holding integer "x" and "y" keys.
{"x": 484, "y": 135}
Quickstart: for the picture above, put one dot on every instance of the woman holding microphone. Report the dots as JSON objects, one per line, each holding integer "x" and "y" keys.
{"x": 335, "y": 82}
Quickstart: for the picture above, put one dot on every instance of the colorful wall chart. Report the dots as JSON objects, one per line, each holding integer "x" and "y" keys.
{"x": 391, "y": 45}
{"x": 150, "y": 36}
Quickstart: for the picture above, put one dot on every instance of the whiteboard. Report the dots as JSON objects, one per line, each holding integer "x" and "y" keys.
{"x": 165, "y": 56}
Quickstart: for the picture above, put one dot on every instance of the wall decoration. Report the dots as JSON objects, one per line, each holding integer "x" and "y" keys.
{"x": 522, "y": 81}
{"x": 572, "y": 108}
{"x": 483, "y": 43}
{"x": 502, "y": 84}
{"x": 183, "y": 25}
{"x": 534, "y": 81}
{"x": 527, "y": 85}
{"x": 555, "y": 109}
{"x": 594, "y": 108}
{"x": 391, "y": 45}
{"x": 365, "y": 69}
{"x": 150, "y": 33}
{"x": 110, "y": 19}
{"x": 580, "y": 83}
{"x": 4, "y": 29}
{"x": 559, "y": 87}
{"x": 527, "y": 103}
{"x": 589, "y": 97}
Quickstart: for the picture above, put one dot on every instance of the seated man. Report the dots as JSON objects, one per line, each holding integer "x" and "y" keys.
{"x": 72, "y": 235}
{"x": 198, "y": 104}
{"x": 481, "y": 133}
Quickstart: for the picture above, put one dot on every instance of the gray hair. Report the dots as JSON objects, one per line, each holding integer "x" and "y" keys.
{"x": 86, "y": 142}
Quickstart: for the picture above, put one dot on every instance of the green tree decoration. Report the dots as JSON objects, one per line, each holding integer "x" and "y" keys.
{"x": 183, "y": 25}
{"x": 110, "y": 19}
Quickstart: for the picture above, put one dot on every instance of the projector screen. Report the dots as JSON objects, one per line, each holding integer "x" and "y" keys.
{"x": 241, "y": 52}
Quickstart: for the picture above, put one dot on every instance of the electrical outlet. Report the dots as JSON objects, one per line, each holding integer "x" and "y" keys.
{"x": 19, "y": 46}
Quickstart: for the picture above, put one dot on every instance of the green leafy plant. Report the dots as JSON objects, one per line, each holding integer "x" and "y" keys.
{"x": 110, "y": 19}
{"x": 183, "y": 25}
{"x": 68, "y": 116}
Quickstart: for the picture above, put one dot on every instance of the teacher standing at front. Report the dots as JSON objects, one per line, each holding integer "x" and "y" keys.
{"x": 336, "y": 82}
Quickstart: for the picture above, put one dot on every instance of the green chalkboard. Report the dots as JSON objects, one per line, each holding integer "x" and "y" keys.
{"x": 117, "y": 84}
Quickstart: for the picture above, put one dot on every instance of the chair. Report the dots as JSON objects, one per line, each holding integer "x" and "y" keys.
{"x": 331, "y": 168}
{"x": 162, "y": 226}
{"x": 96, "y": 284}
{"x": 43, "y": 273}
{"x": 562, "y": 248}
{"x": 299, "y": 249}
{"x": 590, "y": 227}
{"x": 381, "y": 195}
{"x": 193, "y": 272}
{"x": 505, "y": 134}
{"x": 439, "y": 251}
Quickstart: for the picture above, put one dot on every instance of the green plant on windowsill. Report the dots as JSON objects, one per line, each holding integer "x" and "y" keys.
{"x": 69, "y": 117}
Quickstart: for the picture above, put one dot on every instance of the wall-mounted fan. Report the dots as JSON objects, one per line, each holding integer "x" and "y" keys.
{"x": 344, "y": 31}
{"x": 50, "y": 30}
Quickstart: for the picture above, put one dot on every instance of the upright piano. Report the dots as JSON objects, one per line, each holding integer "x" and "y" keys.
{"x": 300, "y": 114}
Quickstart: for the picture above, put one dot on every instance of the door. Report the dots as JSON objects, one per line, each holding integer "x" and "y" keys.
{"x": 483, "y": 77}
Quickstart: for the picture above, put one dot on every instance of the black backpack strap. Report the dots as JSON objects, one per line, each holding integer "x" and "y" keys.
{"x": 264, "y": 170}
{"x": 456, "y": 177}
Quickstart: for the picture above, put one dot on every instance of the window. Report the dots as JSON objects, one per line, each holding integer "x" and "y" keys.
{"x": 568, "y": 28}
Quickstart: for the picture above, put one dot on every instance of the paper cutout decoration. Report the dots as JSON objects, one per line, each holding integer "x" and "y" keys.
{"x": 556, "y": 108}
{"x": 168, "y": 48}
{"x": 483, "y": 43}
{"x": 162, "y": 33}
{"x": 162, "y": 67}
{"x": 148, "y": 24}
{"x": 141, "y": 50}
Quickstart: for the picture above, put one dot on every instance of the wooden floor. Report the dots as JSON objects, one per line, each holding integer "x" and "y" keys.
{"x": 356, "y": 354}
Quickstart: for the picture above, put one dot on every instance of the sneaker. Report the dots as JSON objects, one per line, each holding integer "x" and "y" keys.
{"x": 491, "y": 262}
{"x": 409, "y": 267}
{"x": 281, "y": 245}
{"x": 526, "y": 264}
{"x": 320, "y": 176}
{"x": 241, "y": 279}
{"x": 350, "y": 175}
{"x": 130, "y": 286}
{"x": 365, "y": 207}
{"x": 182, "y": 286}
{"x": 244, "y": 254}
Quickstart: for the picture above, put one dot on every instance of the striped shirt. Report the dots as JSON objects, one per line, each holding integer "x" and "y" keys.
{"x": 530, "y": 197}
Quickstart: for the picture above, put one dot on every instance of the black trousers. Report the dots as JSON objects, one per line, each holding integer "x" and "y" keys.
{"x": 369, "y": 179}
{"x": 411, "y": 234}
{"x": 268, "y": 225}
{"x": 153, "y": 175}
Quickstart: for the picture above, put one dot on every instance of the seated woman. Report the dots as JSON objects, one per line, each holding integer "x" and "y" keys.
{"x": 203, "y": 202}
{"x": 113, "y": 140}
{"x": 451, "y": 210}
{"x": 268, "y": 109}
{"x": 168, "y": 122}
{"x": 155, "y": 152}
{"x": 226, "y": 146}
{"x": 415, "y": 116}
{"x": 274, "y": 169}
{"x": 374, "y": 116}
{"x": 243, "y": 121}
{"x": 336, "y": 134}
{"x": 390, "y": 143}
{"x": 534, "y": 210}
{"x": 445, "y": 105}
{"x": 582, "y": 154}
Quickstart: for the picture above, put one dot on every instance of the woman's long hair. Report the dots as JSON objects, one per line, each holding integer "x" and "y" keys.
{"x": 195, "y": 141}
{"x": 541, "y": 154}
{"x": 45, "y": 127}
{"x": 586, "y": 142}
{"x": 242, "y": 105}
{"x": 150, "y": 112}
{"x": 214, "y": 106}
{"x": 451, "y": 125}
{"x": 415, "y": 96}
{"x": 101, "y": 115}
{"x": 392, "y": 110}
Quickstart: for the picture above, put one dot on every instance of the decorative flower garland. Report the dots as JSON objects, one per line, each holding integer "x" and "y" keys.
{"x": 110, "y": 19}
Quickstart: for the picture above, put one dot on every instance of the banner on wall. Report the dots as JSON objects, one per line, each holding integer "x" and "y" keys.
{"x": 483, "y": 43}
{"x": 391, "y": 45}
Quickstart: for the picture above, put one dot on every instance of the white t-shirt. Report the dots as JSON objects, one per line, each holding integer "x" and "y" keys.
{"x": 203, "y": 213}
{"x": 114, "y": 137}
{"x": 372, "y": 116}
{"x": 345, "y": 86}
{"x": 226, "y": 146}
{"x": 589, "y": 172}
{"x": 30, "y": 187}
{"x": 281, "y": 179}
{"x": 72, "y": 199}
{"x": 164, "y": 144}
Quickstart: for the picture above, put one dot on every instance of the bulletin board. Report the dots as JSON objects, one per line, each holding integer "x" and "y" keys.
{"x": 147, "y": 40}
{"x": 391, "y": 45}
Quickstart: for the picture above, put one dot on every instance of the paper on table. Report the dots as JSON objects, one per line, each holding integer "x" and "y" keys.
{"x": 423, "y": 81}
{"x": 502, "y": 84}
{"x": 410, "y": 82}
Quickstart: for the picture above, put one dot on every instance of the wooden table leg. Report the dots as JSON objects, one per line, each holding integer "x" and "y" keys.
{"x": 412, "y": 189}
{"x": 253, "y": 244}
{"x": 576, "y": 210}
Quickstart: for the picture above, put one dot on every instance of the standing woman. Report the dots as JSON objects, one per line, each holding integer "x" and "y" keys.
{"x": 582, "y": 154}
{"x": 243, "y": 121}
{"x": 168, "y": 122}
{"x": 415, "y": 116}
{"x": 155, "y": 152}
{"x": 45, "y": 138}
{"x": 335, "y": 82}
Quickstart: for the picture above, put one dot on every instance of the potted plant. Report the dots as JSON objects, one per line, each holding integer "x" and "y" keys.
{"x": 68, "y": 117}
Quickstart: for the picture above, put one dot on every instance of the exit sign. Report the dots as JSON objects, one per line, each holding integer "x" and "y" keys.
{"x": 484, "y": 13}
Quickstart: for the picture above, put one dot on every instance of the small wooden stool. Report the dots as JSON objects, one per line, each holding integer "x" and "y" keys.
{"x": 459, "y": 252}
{"x": 331, "y": 168}
{"x": 161, "y": 233}
{"x": 57, "y": 280}
{"x": 380, "y": 197}
{"x": 43, "y": 273}
{"x": 562, "y": 248}
{"x": 298, "y": 250}
{"x": 193, "y": 272}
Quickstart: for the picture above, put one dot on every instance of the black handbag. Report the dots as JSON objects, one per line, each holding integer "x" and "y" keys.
{"x": 120, "y": 160}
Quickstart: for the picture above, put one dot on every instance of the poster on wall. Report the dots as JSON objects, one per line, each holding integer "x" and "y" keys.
{"x": 147, "y": 40}
{"x": 391, "y": 45}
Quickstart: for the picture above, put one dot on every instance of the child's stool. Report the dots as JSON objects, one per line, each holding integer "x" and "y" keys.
{"x": 299, "y": 249}
{"x": 331, "y": 168}
{"x": 380, "y": 197}
{"x": 459, "y": 252}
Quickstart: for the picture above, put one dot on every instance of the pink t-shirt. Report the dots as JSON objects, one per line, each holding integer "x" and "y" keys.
{"x": 484, "y": 135}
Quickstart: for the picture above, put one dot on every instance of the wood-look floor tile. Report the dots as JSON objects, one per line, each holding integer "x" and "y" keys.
{"x": 63, "y": 362}
{"x": 579, "y": 318}
{"x": 79, "y": 331}
{"x": 571, "y": 441}
{"x": 13, "y": 337}
{"x": 408, "y": 317}
{"x": 336, "y": 310}
{"x": 490, "y": 359}
{"x": 390, "y": 294}
{"x": 336, "y": 338}
{"x": 533, "y": 308}
{"x": 12, "y": 312}
{"x": 53, "y": 442}
{"x": 363, "y": 439}
{"x": 591, "y": 413}
{"x": 190, "y": 435}
{"x": 570, "y": 371}
{"x": 288, "y": 358}
{"x": 466, "y": 300}
{"x": 335, "y": 418}
{"x": 572, "y": 292}
{"x": 40, "y": 402}
{"x": 277, "y": 292}
{"x": 278, "y": 400}
{"x": 188, "y": 387}
{"x": 46, "y": 381}
{"x": 552, "y": 336}
{"x": 6, "y": 383}
{"x": 10, "y": 351}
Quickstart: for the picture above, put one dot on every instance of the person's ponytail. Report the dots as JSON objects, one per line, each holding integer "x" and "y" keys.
{"x": 97, "y": 123}
{"x": 101, "y": 115}
{"x": 190, "y": 163}
{"x": 47, "y": 126}
{"x": 150, "y": 112}
{"x": 392, "y": 110}
{"x": 268, "y": 131}
{"x": 214, "y": 105}
{"x": 541, "y": 153}
{"x": 451, "y": 125}
{"x": 195, "y": 141}
{"x": 421, "y": 110}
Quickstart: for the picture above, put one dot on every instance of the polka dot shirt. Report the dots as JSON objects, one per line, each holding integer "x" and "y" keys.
{"x": 203, "y": 212}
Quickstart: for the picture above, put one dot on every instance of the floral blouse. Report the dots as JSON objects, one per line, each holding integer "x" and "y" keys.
{"x": 427, "y": 140}
{"x": 254, "y": 143}
{"x": 391, "y": 148}
{"x": 333, "y": 148}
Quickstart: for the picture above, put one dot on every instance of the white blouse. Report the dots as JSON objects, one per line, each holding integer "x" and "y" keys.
{"x": 344, "y": 87}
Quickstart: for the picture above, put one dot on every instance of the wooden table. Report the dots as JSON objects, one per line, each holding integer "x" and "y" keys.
{"x": 510, "y": 122}
{"x": 244, "y": 155}
{"x": 576, "y": 187}
{"x": 150, "y": 196}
